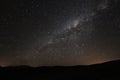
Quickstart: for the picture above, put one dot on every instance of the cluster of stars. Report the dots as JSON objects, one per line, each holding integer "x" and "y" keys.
{"x": 58, "y": 32}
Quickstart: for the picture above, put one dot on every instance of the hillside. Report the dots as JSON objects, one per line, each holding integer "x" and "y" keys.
{"x": 106, "y": 71}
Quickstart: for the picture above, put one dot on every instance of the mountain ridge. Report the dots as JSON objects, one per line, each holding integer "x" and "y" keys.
{"x": 104, "y": 63}
{"x": 105, "y": 71}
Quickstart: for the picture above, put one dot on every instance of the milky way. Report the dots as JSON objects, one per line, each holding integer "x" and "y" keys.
{"x": 59, "y": 32}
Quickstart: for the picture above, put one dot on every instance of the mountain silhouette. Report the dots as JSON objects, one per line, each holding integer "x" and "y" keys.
{"x": 105, "y": 71}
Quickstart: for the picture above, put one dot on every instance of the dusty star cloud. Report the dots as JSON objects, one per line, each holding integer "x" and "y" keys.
{"x": 59, "y": 32}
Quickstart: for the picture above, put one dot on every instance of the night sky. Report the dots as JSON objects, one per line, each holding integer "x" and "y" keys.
{"x": 59, "y": 32}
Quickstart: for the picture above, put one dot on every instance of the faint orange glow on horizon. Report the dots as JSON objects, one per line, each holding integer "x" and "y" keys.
{"x": 4, "y": 64}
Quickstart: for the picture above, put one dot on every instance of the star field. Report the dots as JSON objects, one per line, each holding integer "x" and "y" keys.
{"x": 59, "y": 32}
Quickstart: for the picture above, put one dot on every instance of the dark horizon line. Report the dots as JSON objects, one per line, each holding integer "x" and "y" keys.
{"x": 29, "y": 66}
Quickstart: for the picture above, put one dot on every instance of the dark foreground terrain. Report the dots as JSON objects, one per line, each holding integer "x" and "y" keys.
{"x": 105, "y": 71}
